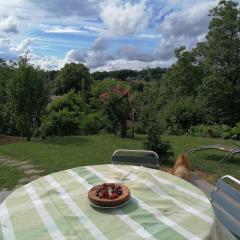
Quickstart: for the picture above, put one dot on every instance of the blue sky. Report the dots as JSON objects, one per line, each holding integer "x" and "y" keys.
{"x": 102, "y": 34}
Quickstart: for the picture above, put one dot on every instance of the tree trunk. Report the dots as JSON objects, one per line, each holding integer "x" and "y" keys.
{"x": 123, "y": 128}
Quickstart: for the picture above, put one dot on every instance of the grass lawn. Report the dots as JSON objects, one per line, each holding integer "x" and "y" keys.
{"x": 9, "y": 176}
{"x": 58, "y": 154}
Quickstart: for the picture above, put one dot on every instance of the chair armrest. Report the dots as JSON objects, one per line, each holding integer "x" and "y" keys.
{"x": 231, "y": 178}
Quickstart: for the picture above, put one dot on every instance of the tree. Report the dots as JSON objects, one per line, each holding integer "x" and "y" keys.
{"x": 64, "y": 115}
{"x": 118, "y": 106}
{"x": 221, "y": 53}
{"x": 6, "y": 71}
{"x": 73, "y": 76}
{"x": 184, "y": 77}
{"x": 27, "y": 96}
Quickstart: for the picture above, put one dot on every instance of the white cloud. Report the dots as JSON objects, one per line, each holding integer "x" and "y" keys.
{"x": 101, "y": 43}
{"x": 4, "y": 42}
{"x": 9, "y": 25}
{"x": 75, "y": 56}
{"x": 23, "y": 46}
{"x": 65, "y": 8}
{"x": 46, "y": 63}
{"x": 188, "y": 22}
{"x": 135, "y": 65}
{"x": 124, "y": 19}
{"x": 61, "y": 29}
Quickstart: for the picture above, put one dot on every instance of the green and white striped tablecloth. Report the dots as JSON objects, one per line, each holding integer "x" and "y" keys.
{"x": 57, "y": 207}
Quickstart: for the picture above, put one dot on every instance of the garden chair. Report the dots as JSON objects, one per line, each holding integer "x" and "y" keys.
{"x": 226, "y": 203}
{"x": 232, "y": 151}
{"x": 143, "y": 158}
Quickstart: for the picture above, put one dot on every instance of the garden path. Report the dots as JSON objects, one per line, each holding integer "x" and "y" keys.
{"x": 30, "y": 171}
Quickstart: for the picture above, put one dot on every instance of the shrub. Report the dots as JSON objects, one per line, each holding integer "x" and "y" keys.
{"x": 179, "y": 115}
{"x": 64, "y": 115}
{"x": 153, "y": 142}
{"x": 93, "y": 123}
{"x": 234, "y": 133}
{"x": 61, "y": 123}
{"x": 212, "y": 131}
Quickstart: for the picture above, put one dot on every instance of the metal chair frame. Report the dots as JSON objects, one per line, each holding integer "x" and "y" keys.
{"x": 232, "y": 151}
{"x": 226, "y": 203}
{"x": 151, "y": 158}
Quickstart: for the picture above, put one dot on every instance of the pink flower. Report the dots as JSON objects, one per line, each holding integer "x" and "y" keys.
{"x": 103, "y": 96}
{"x": 126, "y": 93}
{"x": 117, "y": 90}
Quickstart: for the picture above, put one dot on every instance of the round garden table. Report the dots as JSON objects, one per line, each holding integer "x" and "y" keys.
{"x": 57, "y": 207}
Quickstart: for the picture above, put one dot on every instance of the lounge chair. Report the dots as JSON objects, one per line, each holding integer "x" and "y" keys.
{"x": 136, "y": 157}
{"x": 226, "y": 203}
{"x": 232, "y": 150}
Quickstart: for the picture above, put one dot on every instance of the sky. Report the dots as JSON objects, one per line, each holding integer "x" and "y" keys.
{"x": 101, "y": 34}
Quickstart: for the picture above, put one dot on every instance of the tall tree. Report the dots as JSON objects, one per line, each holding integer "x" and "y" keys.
{"x": 6, "y": 71}
{"x": 73, "y": 76}
{"x": 221, "y": 85}
{"x": 183, "y": 78}
{"x": 27, "y": 95}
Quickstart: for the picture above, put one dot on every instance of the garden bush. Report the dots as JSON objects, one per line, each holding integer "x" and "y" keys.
{"x": 233, "y": 133}
{"x": 93, "y": 123}
{"x": 212, "y": 131}
{"x": 153, "y": 142}
{"x": 177, "y": 117}
{"x": 64, "y": 115}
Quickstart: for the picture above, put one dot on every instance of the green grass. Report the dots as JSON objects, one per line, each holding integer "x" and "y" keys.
{"x": 9, "y": 176}
{"x": 62, "y": 153}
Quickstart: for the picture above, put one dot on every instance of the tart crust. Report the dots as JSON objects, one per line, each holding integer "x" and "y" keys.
{"x": 124, "y": 197}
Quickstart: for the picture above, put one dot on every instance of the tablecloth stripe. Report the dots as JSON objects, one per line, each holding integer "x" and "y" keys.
{"x": 93, "y": 230}
{"x": 125, "y": 218}
{"x": 159, "y": 208}
{"x": 142, "y": 217}
{"x": 108, "y": 222}
{"x": 6, "y": 224}
{"x": 47, "y": 220}
{"x": 163, "y": 194}
{"x": 61, "y": 214}
{"x": 165, "y": 220}
{"x": 177, "y": 187}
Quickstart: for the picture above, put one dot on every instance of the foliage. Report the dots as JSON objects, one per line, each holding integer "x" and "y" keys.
{"x": 154, "y": 143}
{"x": 27, "y": 95}
{"x": 64, "y": 115}
{"x": 149, "y": 74}
{"x": 212, "y": 131}
{"x": 184, "y": 77}
{"x": 118, "y": 106}
{"x": 108, "y": 85}
{"x": 233, "y": 133}
{"x": 93, "y": 123}
{"x": 6, "y": 73}
{"x": 73, "y": 76}
{"x": 148, "y": 105}
{"x": 221, "y": 60}
{"x": 179, "y": 115}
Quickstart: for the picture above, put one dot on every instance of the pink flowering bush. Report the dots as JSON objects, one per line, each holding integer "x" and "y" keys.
{"x": 118, "y": 105}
